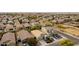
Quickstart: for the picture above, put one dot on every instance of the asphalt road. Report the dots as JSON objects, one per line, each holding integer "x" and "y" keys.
{"x": 73, "y": 38}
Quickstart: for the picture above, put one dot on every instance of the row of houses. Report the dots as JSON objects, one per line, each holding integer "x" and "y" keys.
{"x": 17, "y": 23}
{"x": 41, "y": 37}
{"x": 10, "y": 38}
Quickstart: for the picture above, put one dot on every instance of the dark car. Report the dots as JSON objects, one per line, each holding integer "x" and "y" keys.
{"x": 56, "y": 36}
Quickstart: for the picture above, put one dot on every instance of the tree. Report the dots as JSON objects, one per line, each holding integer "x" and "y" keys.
{"x": 32, "y": 42}
{"x": 36, "y": 27}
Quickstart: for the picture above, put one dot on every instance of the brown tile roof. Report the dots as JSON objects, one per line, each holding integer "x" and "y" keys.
{"x": 23, "y": 34}
{"x": 8, "y": 37}
{"x": 36, "y": 33}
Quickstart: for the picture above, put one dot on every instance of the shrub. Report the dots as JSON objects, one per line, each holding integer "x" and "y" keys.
{"x": 48, "y": 40}
{"x": 66, "y": 42}
{"x": 61, "y": 26}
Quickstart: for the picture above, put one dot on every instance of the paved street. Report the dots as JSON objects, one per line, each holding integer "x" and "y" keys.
{"x": 75, "y": 39}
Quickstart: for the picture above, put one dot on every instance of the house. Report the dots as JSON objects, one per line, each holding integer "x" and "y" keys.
{"x": 4, "y": 21}
{"x": 10, "y": 22}
{"x": 54, "y": 21}
{"x": 25, "y": 21}
{"x": 45, "y": 22}
{"x": 46, "y": 30}
{"x": 17, "y": 25}
{"x": 37, "y": 33}
{"x": 2, "y": 26}
{"x": 9, "y": 27}
{"x": 23, "y": 35}
{"x": 34, "y": 23}
{"x": 8, "y": 39}
{"x": 60, "y": 21}
{"x": 33, "y": 20}
{"x": 26, "y": 25}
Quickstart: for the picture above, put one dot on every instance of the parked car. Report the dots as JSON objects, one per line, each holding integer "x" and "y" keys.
{"x": 56, "y": 36}
{"x": 48, "y": 39}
